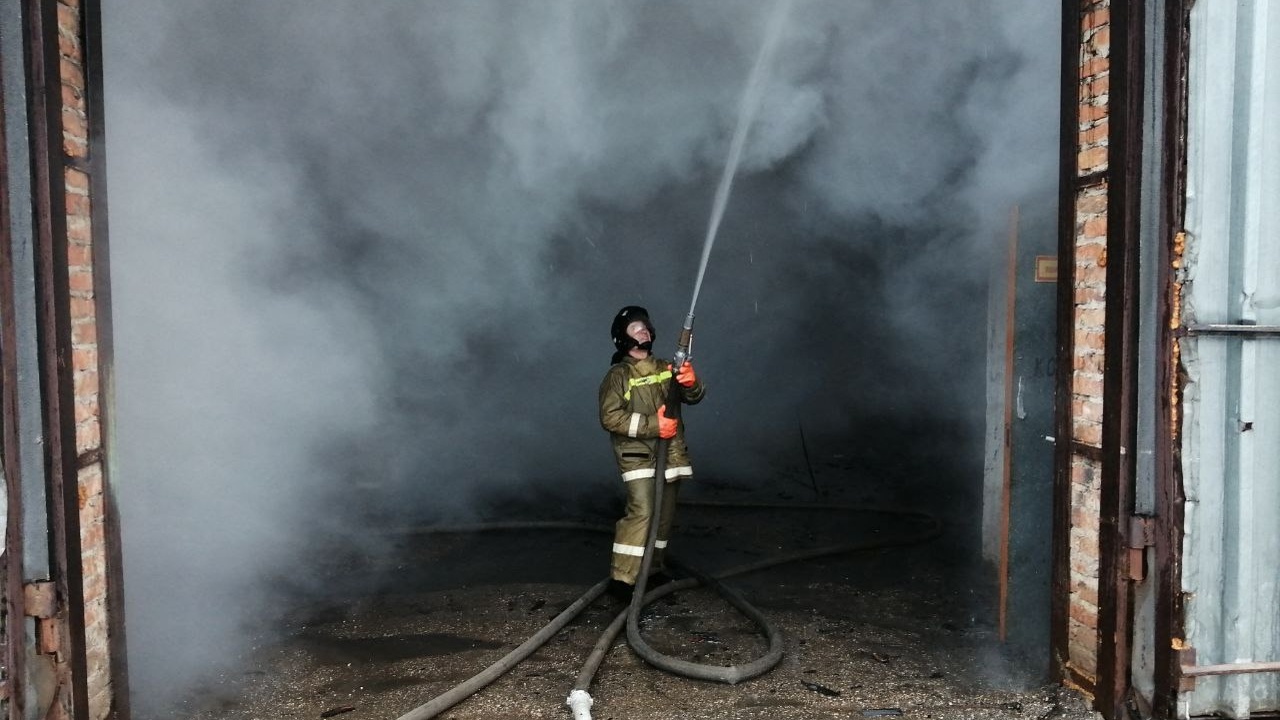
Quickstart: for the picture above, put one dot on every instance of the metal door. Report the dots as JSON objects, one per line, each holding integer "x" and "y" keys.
{"x": 1230, "y": 443}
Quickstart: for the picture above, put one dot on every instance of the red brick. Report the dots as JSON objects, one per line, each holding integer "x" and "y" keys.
{"x": 1085, "y": 544}
{"x": 1092, "y": 93}
{"x": 1088, "y": 592}
{"x": 1077, "y": 408}
{"x": 68, "y": 19}
{"x": 1089, "y": 410}
{"x": 1091, "y": 204}
{"x": 86, "y": 408}
{"x": 1082, "y": 384}
{"x": 98, "y": 656}
{"x": 1096, "y": 18}
{"x": 1090, "y": 253}
{"x": 74, "y": 125}
{"x": 1098, "y": 86}
{"x": 1089, "y": 339}
{"x": 1084, "y": 565}
{"x": 1091, "y": 318}
{"x": 88, "y": 435}
{"x": 1084, "y": 614}
{"x": 1096, "y": 134}
{"x": 1093, "y": 274}
{"x": 89, "y": 480}
{"x": 100, "y": 700}
{"x": 92, "y": 536}
{"x": 72, "y": 98}
{"x": 1095, "y": 66}
{"x": 95, "y": 588}
{"x": 1084, "y": 518}
{"x": 1090, "y": 114}
{"x": 1089, "y": 294}
{"x": 86, "y": 383}
{"x": 1101, "y": 40}
{"x": 1088, "y": 498}
{"x": 68, "y": 31}
{"x": 1082, "y": 647}
{"x": 81, "y": 308}
{"x": 80, "y": 256}
{"x": 1088, "y": 362}
{"x": 81, "y": 280}
{"x": 1093, "y": 227}
{"x": 78, "y": 204}
{"x": 1086, "y": 464}
{"x": 1087, "y": 433}
{"x": 83, "y": 358}
{"x": 1083, "y": 470}
{"x": 68, "y": 45}
{"x": 77, "y": 180}
{"x": 79, "y": 230}
{"x": 95, "y": 616}
{"x": 84, "y": 333}
{"x": 74, "y": 147}
{"x": 1092, "y": 159}
{"x": 71, "y": 74}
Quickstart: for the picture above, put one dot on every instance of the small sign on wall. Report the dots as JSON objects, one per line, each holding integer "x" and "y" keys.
{"x": 1046, "y": 268}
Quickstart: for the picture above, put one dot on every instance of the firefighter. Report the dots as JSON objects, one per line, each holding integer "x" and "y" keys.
{"x": 633, "y": 404}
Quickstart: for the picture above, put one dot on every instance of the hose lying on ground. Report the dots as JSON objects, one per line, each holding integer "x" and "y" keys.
{"x": 579, "y": 699}
{"x": 731, "y": 674}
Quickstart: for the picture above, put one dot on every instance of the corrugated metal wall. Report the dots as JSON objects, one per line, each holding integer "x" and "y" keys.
{"x": 1231, "y": 436}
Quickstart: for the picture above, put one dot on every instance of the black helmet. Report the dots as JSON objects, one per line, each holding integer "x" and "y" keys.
{"x": 618, "y": 331}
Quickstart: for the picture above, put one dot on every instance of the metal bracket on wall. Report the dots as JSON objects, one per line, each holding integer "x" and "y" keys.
{"x": 1189, "y": 670}
{"x": 1240, "y": 330}
{"x": 1141, "y": 537}
{"x": 40, "y": 601}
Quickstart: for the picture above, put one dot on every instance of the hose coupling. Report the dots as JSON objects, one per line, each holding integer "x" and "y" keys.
{"x": 580, "y": 703}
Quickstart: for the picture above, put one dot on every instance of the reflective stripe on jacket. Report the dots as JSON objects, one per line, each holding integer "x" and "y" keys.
{"x": 630, "y": 395}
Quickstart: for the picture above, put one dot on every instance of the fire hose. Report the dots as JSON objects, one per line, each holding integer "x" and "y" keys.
{"x": 579, "y": 700}
{"x": 733, "y": 673}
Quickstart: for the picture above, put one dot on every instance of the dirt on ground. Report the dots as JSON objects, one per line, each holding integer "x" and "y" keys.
{"x": 905, "y": 630}
{"x": 886, "y": 633}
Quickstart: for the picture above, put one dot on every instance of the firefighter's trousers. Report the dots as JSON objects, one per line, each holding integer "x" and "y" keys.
{"x": 632, "y": 530}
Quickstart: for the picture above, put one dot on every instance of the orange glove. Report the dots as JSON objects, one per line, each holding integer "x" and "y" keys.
{"x": 666, "y": 425}
{"x": 686, "y": 377}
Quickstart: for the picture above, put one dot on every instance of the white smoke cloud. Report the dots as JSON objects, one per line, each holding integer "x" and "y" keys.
{"x": 227, "y": 392}
{"x": 369, "y": 250}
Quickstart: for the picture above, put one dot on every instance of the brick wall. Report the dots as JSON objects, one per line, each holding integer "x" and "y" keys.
{"x": 85, "y": 355}
{"x": 1088, "y": 309}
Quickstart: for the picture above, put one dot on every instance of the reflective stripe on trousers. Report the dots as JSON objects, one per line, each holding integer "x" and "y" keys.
{"x": 671, "y": 473}
{"x": 632, "y": 530}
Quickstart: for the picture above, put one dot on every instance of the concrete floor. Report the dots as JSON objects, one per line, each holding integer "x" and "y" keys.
{"x": 903, "y": 632}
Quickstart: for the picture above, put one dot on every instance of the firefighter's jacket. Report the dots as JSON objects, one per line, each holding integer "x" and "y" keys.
{"x": 630, "y": 395}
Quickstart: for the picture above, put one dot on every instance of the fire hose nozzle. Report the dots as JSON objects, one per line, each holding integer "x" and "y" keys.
{"x": 685, "y": 345}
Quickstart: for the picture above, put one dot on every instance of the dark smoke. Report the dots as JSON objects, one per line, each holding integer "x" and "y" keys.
{"x": 366, "y": 254}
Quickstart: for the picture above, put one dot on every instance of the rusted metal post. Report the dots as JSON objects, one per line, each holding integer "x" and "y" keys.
{"x": 38, "y": 401}
{"x": 91, "y": 45}
{"x": 26, "y": 537}
{"x": 1060, "y": 579}
{"x": 1170, "y": 496}
{"x": 1124, "y": 206}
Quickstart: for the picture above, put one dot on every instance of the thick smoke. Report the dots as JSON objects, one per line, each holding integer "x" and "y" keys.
{"x": 365, "y": 254}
